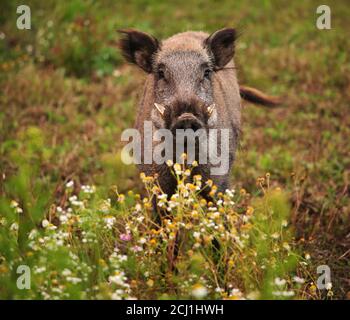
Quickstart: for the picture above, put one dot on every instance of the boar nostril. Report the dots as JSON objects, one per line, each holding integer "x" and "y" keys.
{"x": 187, "y": 124}
{"x": 195, "y": 126}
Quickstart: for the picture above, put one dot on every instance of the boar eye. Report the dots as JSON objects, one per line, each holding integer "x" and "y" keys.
{"x": 207, "y": 73}
{"x": 161, "y": 74}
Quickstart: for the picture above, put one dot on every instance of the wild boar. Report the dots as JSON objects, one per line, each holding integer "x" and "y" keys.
{"x": 191, "y": 84}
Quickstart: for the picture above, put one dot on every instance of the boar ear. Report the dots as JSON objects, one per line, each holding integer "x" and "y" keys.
{"x": 138, "y": 47}
{"x": 221, "y": 45}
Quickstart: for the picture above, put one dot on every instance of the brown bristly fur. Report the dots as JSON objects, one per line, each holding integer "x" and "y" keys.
{"x": 255, "y": 96}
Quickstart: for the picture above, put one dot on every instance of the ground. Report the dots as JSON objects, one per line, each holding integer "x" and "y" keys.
{"x": 66, "y": 95}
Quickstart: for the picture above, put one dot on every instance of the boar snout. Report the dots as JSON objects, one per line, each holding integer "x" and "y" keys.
{"x": 187, "y": 121}
{"x": 187, "y": 115}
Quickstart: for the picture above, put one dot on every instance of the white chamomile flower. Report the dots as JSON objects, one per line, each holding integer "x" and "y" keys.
{"x": 70, "y": 184}
{"x": 280, "y": 282}
{"x": 199, "y": 291}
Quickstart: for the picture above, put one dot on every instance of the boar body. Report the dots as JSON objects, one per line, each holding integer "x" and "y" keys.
{"x": 226, "y": 97}
{"x": 187, "y": 74}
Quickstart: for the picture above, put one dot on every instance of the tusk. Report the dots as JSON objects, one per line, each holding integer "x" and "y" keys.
{"x": 210, "y": 109}
{"x": 160, "y": 108}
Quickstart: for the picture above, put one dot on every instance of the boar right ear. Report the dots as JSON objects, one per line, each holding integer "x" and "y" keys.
{"x": 138, "y": 47}
{"x": 221, "y": 44}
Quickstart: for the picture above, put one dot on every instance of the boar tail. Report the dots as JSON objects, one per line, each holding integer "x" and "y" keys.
{"x": 258, "y": 97}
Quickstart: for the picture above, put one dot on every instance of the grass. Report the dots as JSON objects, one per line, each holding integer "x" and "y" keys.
{"x": 66, "y": 95}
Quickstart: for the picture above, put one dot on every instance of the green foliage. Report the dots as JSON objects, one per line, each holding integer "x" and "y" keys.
{"x": 66, "y": 96}
{"x": 96, "y": 248}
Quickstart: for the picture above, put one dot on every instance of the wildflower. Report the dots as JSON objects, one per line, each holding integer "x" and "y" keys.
{"x": 275, "y": 235}
{"x": 284, "y": 293}
{"x": 177, "y": 168}
{"x": 140, "y": 219}
{"x": 88, "y": 189}
{"x": 66, "y": 272}
{"x": 328, "y": 285}
{"x": 153, "y": 242}
{"x": 250, "y": 211}
{"x": 236, "y": 294}
{"x": 197, "y": 177}
{"x": 14, "y": 204}
{"x": 194, "y": 163}
{"x": 191, "y": 187}
{"x": 110, "y": 221}
{"x": 32, "y": 234}
{"x": 213, "y": 190}
{"x": 188, "y": 225}
{"x": 19, "y": 210}
{"x": 136, "y": 248}
{"x": 116, "y": 73}
{"x": 207, "y": 239}
{"x": 142, "y": 240}
{"x": 289, "y": 293}
{"x": 169, "y": 163}
{"x": 194, "y": 214}
{"x": 121, "y": 198}
{"x": 14, "y": 226}
{"x": 70, "y": 184}
{"x": 174, "y": 196}
{"x": 45, "y": 223}
{"x": 118, "y": 278}
{"x": 39, "y": 269}
{"x": 307, "y": 256}
{"x": 245, "y": 219}
{"x": 172, "y": 235}
{"x": 280, "y": 282}
{"x": 138, "y": 208}
{"x": 125, "y": 237}
{"x": 162, "y": 196}
{"x": 105, "y": 206}
{"x": 63, "y": 218}
{"x": 187, "y": 172}
{"x": 209, "y": 182}
{"x": 150, "y": 283}
{"x": 73, "y": 280}
{"x": 298, "y": 280}
{"x": 313, "y": 288}
{"x": 77, "y": 203}
{"x": 216, "y": 215}
{"x": 286, "y": 246}
{"x": 196, "y": 235}
{"x": 284, "y": 223}
{"x": 199, "y": 291}
{"x": 243, "y": 192}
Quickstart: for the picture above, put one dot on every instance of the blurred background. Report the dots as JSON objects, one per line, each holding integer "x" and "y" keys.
{"x": 66, "y": 95}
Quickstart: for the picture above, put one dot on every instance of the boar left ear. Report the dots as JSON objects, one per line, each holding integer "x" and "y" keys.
{"x": 221, "y": 44}
{"x": 138, "y": 47}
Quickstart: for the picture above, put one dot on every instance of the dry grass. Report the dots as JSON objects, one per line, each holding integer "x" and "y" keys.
{"x": 56, "y": 126}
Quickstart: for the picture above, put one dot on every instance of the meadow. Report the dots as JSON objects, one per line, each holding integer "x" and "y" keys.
{"x": 82, "y": 220}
